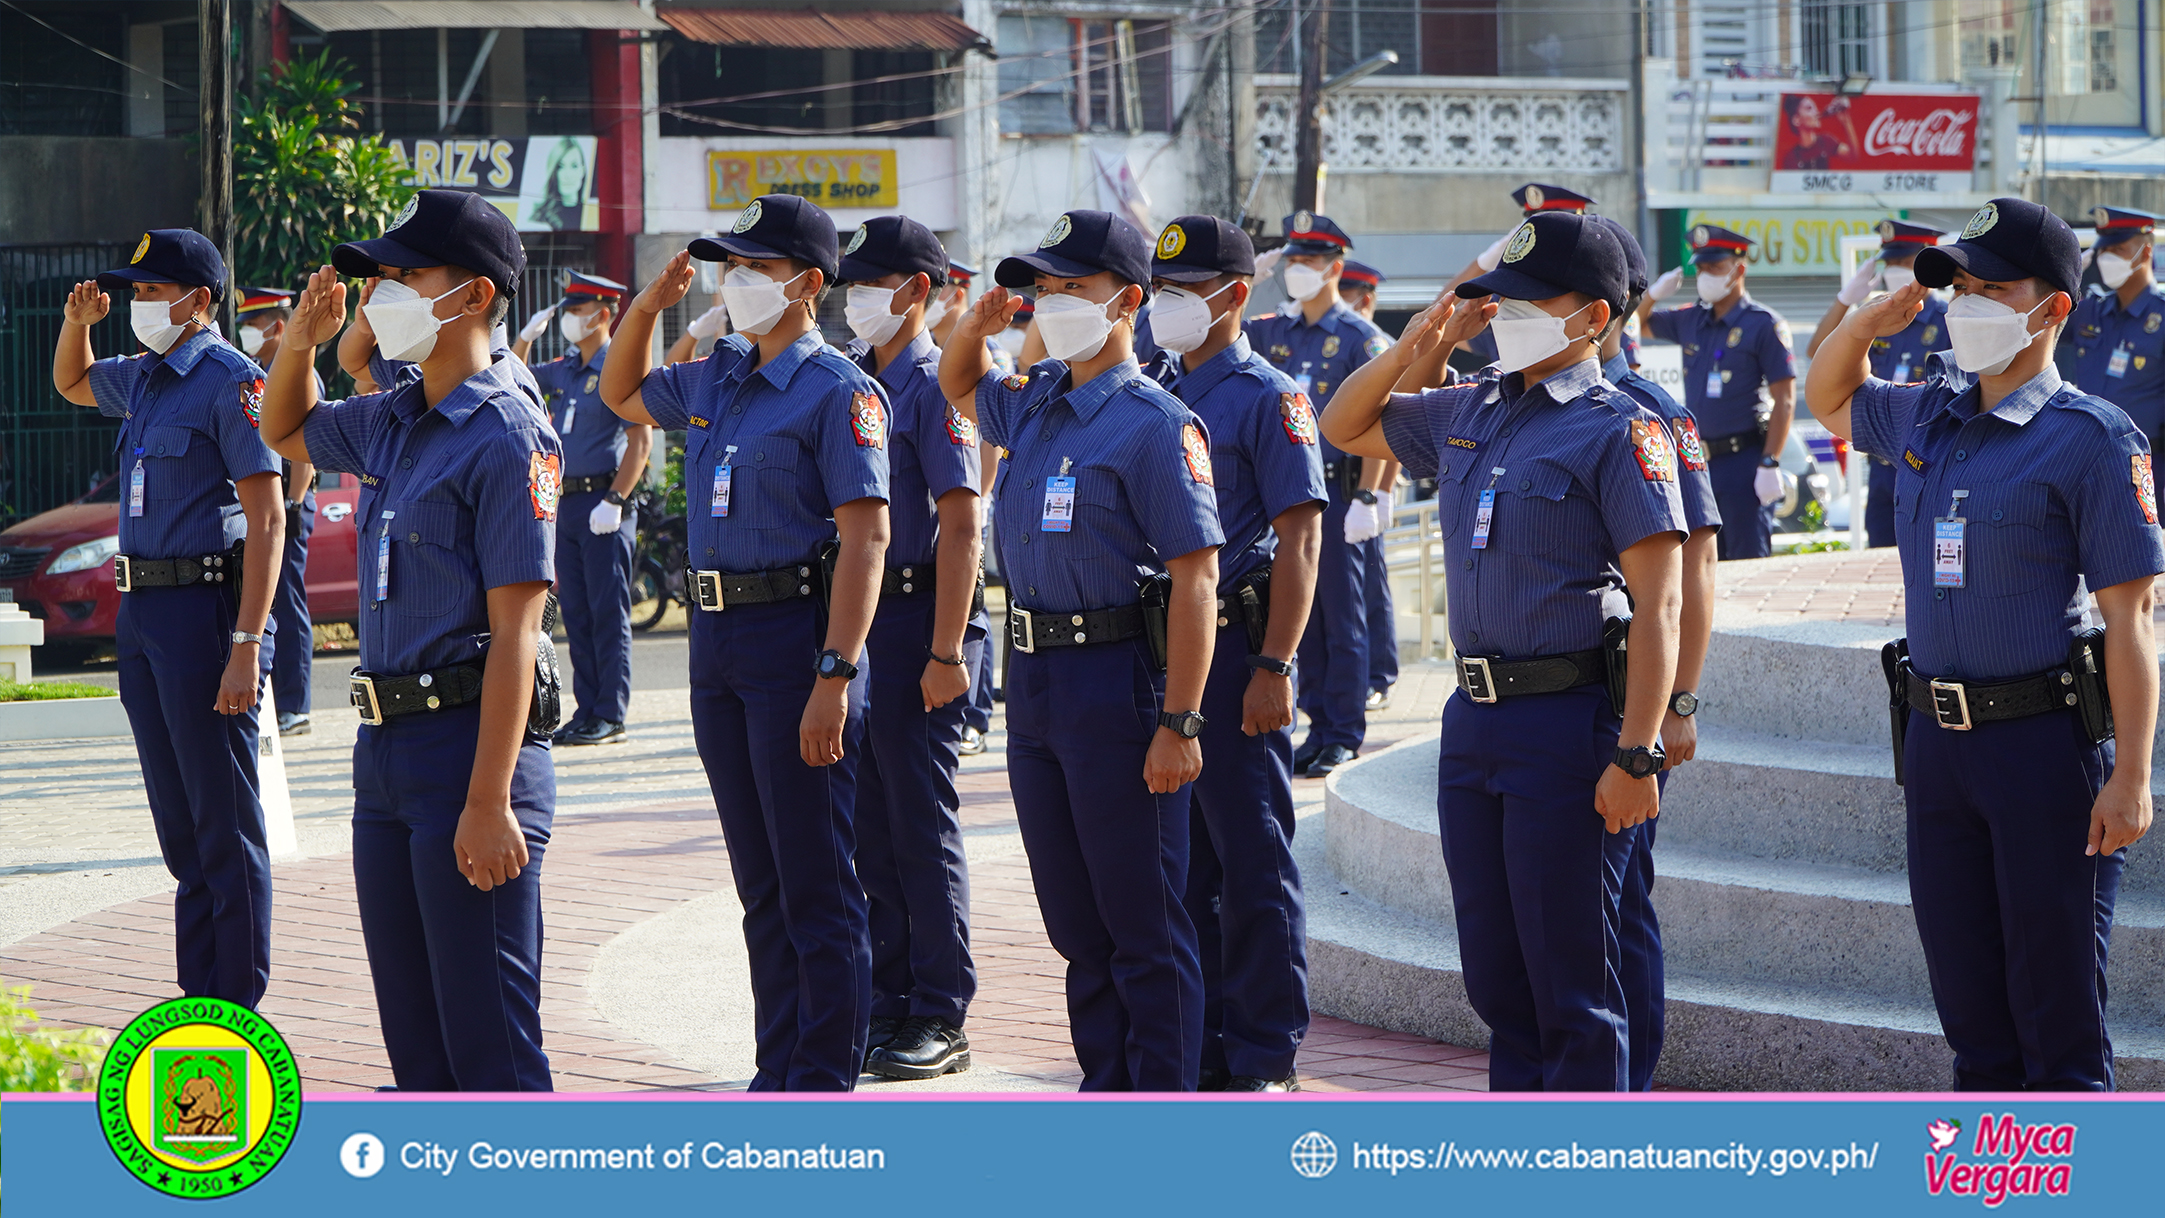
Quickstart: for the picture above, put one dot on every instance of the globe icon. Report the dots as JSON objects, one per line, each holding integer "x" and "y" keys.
{"x": 1314, "y": 1155}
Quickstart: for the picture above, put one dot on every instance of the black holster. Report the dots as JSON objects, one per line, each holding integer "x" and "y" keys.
{"x": 1157, "y": 601}
{"x": 546, "y": 710}
{"x": 1894, "y": 662}
{"x": 2086, "y": 661}
{"x": 1254, "y": 593}
{"x": 1615, "y": 636}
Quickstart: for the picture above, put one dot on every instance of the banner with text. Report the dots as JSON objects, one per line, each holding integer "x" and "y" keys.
{"x": 1875, "y": 143}
{"x": 1792, "y": 242}
{"x": 830, "y": 177}
{"x": 544, "y": 182}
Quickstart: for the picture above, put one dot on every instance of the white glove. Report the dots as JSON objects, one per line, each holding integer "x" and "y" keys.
{"x": 1768, "y": 484}
{"x": 1363, "y": 521}
{"x": 606, "y": 517}
{"x": 1488, "y": 259}
{"x": 1859, "y": 285}
{"x": 1666, "y": 286}
{"x": 536, "y": 324}
{"x": 1268, "y": 261}
{"x": 709, "y": 323}
{"x": 2088, "y": 256}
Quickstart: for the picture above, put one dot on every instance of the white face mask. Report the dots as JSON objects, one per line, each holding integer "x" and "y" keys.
{"x": 1526, "y": 334}
{"x": 2113, "y": 270}
{"x": 754, "y": 301}
{"x": 404, "y": 320}
{"x": 935, "y": 314}
{"x": 1073, "y": 328}
{"x": 1180, "y": 320}
{"x": 575, "y": 327}
{"x": 152, "y": 321}
{"x": 1986, "y": 334}
{"x": 251, "y": 341}
{"x": 1011, "y": 340}
{"x": 1897, "y": 277}
{"x": 1712, "y": 288}
{"x": 1302, "y": 281}
{"x": 868, "y": 312}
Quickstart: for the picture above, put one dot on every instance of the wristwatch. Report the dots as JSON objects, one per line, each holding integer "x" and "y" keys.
{"x": 1366, "y": 496}
{"x": 1684, "y": 703}
{"x": 241, "y": 636}
{"x": 1766, "y": 462}
{"x": 1187, "y": 724}
{"x": 1283, "y": 668}
{"x": 831, "y": 664}
{"x": 613, "y": 497}
{"x": 1640, "y": 761}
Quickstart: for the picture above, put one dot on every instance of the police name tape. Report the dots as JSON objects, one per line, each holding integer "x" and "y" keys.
{"x": 1735, "y": 1156}
{"x": 485, "y": 1156}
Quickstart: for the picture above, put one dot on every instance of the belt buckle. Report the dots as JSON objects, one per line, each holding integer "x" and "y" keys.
{"x": 1951, "y": 705}
{"x": 123, "y": 573}
{"x": 362, "y": 690}
{"x": 707, "y": 590}
{"x": 1474, "y": 677}
{"x": 1022, "y": 630}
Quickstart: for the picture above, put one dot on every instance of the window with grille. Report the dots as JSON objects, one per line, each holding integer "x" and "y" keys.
{"x": 1837, "y": 39}
{"x": 1061, "y": 74}
{"x": 1438, "y": 37}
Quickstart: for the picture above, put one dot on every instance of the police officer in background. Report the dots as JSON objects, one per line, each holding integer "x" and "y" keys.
{"x": 909, "y": 815}
{"x": 1558, "y": 504}
{"x": 259, "y": 325}
{"x": 1357, "y": 285}
{"x": 454, "y": 791}
{"x": 1318, "y": 343}
{"x": 1900, "y": 357}
{"x": 1739, "y": 380}
{"x": 1244, "y": 892}
{"x": 786, "y": 457}
{"x": 1107, "y": 481}
{"x": 2023, "y": 797}
{"x": 605, "y": 456}
{"x": 188, "y": 639}
{"x": 2119, "y": 338}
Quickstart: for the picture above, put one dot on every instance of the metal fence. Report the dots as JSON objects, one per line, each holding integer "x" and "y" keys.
{"x": 51, "y": 451}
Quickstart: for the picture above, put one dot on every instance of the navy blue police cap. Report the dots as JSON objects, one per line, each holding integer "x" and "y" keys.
{"x": 1712, "y": 243}
{"x": 1193, "y": 249}
{"x": 1635, "y": 279}
{"x": 580, "y": 288}
{"x": 1360, "y": 275}
{"x": 2008, "y": 239}
{"x": 2117, "y": 224}
{"x": 1540, "y": 196}
{"x": 255, "y": 300}
{"x": 1082, "y": 243}
{"x": 171, "y": 255}
{"x": 1555, "y": 252}
{"x": 442, "y": 228}
{"x": 776, "y": 226}
{"x": 1902, "y": 239}
{"x": 960, "y": 273}
{"x": 1308, "y": 233}
{"x": 889, "y": 245}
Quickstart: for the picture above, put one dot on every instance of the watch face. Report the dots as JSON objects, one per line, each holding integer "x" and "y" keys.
{"x": 1685, "y": 703}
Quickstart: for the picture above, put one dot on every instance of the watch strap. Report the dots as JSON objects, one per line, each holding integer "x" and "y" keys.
{"x": 1283, "y": 668}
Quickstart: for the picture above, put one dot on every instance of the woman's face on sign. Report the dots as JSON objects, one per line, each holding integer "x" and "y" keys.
{"x": 1807, "y": 114}
{"x": 571, "y": 177}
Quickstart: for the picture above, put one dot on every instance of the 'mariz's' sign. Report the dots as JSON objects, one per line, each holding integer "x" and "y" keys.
{"x": 1827, "y": 143}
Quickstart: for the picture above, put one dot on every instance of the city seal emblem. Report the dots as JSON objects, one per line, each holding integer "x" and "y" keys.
{"x": 857, "y": 242}
{"x": 199, "y": 1098}
{"x": 1057, "y": 233}
{"x": 1520, "y": 244}
{"x": 1171, "y": 242}
{"x": 406, "y": 213}
{"x": 141, "y": 249}
{"x": 1982, "y": 222}
{"x": 747, "y": 218}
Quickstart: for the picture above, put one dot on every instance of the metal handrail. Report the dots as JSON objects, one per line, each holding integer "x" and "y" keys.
{"x": 1409, "y": 548}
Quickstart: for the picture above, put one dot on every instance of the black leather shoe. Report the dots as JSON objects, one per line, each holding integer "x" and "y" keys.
{"x": 973, "y": 742}
{"x": 598, "y": 731}
{"x": 1305, "y": 755}
{"x": 563, "y": 734}
{"x": 1332, "y": 756}
{"x": 1249, "y": 1082}
{"x": 883, "y": 1030}
{"x": 292, "y": 724}
{"x": 1213, "y": 1078}
{"x": 925, "y": 1046}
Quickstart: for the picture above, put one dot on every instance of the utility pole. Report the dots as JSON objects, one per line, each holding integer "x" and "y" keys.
{"x": 214, "y": 35}
{"x": 1308, "y": 167}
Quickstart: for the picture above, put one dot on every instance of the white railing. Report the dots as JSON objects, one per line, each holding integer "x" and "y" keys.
{"x": 1411, "y": 551}
{"x": 1445, "y": 124}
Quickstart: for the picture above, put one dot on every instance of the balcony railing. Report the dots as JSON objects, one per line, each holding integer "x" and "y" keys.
{"x": 1452, "y": 124}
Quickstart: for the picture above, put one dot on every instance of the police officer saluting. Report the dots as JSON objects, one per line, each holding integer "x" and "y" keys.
{"x": 192, "y": 609}
{"x": 909, "y": 827}
{"x": 1108, "y": 480}
{"x": 1244, "y": 891}
{"x": 454, "y": 791}
{"x": 604, "y": 458}
{"x": 1556, "y": 493}
{"x": 1739, "y": 381}
{"x": 2120, "y": 336}
{"x": 785, "y": 455}
{"x": 259, "y": 325}
{"x": 2021, "y": 806}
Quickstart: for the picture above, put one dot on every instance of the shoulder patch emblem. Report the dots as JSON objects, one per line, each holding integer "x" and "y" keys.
{"x": 1298, "y": 416}
{"x": 2145, "y": 486}
{"x": 545, "y": 483}
{"x": 1015, "y": 383}
{"x": 867, "y": 422}
{"x": 1376, "y": 345}
{"x": 252, "y": 402}
{"x": 959, "y": 428}
{"x": 1330, "y": 346}
{"x": 1688, "y": 448}
{"x": 1197, "y": 451}
{"x": 1651, "y": 445}
{"x": 1781, "y": 331}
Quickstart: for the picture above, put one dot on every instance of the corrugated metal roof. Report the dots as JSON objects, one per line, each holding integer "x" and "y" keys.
{"x": 334, "y": 16}
{"x": 809, "y": 28}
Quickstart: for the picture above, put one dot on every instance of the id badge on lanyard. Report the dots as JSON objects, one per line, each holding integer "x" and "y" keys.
{"x": 571, "y": 412}
{"x": 1059, "y": 514}
{"x": 383, "y": 556}
{"x": 1485, "y": 514}
{"x": 720, "y": 499}
{"x": 1901, "y": 370}
{"x": 135, "y": 486}
{"x": 1713, "y": 376}
{"x": 1948, "y": 546}
{"x": 2118, "y": 366}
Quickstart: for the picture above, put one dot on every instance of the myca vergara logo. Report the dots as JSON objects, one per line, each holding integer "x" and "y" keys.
{"x": 199, "y": 1097}
{"x": 2005, "y": 1159}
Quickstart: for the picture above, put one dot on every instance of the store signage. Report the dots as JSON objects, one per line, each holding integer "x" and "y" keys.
{"x": 1875, "y": 143}
{"x": 1792, "y": 242}
{"x": 830, "y": 177}
{"x": 544, "y": 182}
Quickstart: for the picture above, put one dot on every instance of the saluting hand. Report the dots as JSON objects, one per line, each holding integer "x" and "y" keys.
{"x": 1890, "y": 314}
{"x": 320, "y": 312}
{"x": 988, "y": 316}
{"x": 87, "y": 306}
{"x": 488, "y": 846}
{"x": 668, "y": 287}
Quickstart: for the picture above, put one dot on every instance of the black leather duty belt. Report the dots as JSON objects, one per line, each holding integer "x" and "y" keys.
{"x": 590, "y": 482}
{"x": 1959, "y": 706}
{"x": 133, "y": 574}
{"x": 1486, "y": 679}
{"x": 715, "y": 591}
{"x": 905, "y": 581}
{"x": 1031, "y": 630}
{"x": 1734, "y": 443}
{"x": 379, "y": 697}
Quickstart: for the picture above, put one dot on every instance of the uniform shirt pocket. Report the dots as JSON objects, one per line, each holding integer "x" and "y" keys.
{"x": 763, "y": 481}
{"x": 2009, "y": 552}
{"x": 428, "y": 578}
{"x": 1535, "y": 513}
{"x": 168, "y": 470}
{"x": 1453, "y": 499}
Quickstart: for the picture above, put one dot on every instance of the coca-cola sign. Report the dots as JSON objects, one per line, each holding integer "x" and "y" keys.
{"x": 1904, "y": 142}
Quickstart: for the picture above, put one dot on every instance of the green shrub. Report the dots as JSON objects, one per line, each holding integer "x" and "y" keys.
{"x": 46, "y": 691}
{"x": 35, "y": 1059}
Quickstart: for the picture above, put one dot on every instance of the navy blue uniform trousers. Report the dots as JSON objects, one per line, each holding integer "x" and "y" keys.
{"x": 909, "y": 827}
{"x": 1639, "y": 940}
{"x": 1536, "y": 880}
{"x": 1747, "y": 526}
{"x": 791, "y": 841}
{"x": 1109, "y": 860}
{"x": 1382, "y": 616}
{"x": 2015, "y": 919}
{"x": 1333, "y": 653}
{"x": 199, "y": 775}
{"x": 593, "y": 584}
{"x": 457, "y": 970}
{"x": 295, "y": 654}
{"x": 977, "y": 708}
{"x": 1244, "y": 892}
{"x": 1878, "y": 504}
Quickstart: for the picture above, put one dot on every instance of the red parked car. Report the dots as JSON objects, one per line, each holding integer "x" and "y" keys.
{"x": 59, "y": 564}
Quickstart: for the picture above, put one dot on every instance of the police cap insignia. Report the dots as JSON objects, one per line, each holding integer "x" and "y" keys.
{"x": 1303, "y": 221}
{"x": 141, "y": 249}
{"x": 857, "y": 242}
{"x": 747, "y": 218}
{"x": 2099, "y": 215}
{"x": 1982, "y": 222}
{"x": 1171, "y": 241}
{"x": 1057, "y": 233}
{"x": 1520, "y": 244}
{"x": 1886, "y": 230}
{"x": 406, "y": 213}
{"x": 1699, "y": 236}
{"x": 1534, "y": 197}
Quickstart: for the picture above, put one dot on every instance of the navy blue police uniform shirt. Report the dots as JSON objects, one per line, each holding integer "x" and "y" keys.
{"x": 1748, "y": 349}
{"x": 934, "y": 450}
{"x": 1901, "y": 357}
{"x": 1319, "y": 356}
{"x": 1143, "y": 495}
{"x": 592, "y": 434}
{"x": 471, "y": 487}
{"x": 2060, "y": 486}
{"x": 1587, "y": 473}
{"x": 1694, "y": 483}
{"x": 192, "y": 418}
{"x": 2119, "y": 354}
{"x": 801, "y": 434}
{"x": 386, "y": 372}
{"x": 1265, "y": 449}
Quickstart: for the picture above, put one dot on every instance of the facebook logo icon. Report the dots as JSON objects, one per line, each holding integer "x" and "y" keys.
{"x": 361, "y": 1156}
